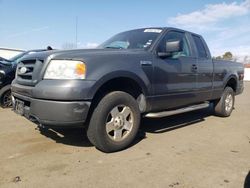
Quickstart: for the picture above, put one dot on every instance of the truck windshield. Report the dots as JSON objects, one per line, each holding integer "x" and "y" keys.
{"x": 135, "y": 39}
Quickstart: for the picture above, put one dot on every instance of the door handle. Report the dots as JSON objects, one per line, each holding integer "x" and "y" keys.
{"x": 146, "y": 63}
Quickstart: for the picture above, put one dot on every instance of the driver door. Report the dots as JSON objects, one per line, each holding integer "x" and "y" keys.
{"x": 175, "y": 76}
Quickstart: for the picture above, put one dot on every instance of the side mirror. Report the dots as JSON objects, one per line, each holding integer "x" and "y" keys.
{"x": 171, "y": 47}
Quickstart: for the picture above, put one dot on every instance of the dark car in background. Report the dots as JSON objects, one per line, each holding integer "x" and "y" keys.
{"x": 7, "y": 74}
{"x": 3, "y": 59}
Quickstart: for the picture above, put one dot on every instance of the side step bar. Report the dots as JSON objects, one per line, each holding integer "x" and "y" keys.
{"x": 178, "y": 111}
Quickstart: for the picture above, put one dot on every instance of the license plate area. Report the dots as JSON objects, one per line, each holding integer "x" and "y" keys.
{"x": 19, "y": 107}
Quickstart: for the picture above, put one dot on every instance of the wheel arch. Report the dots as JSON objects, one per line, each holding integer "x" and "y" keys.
{"x": 119, "y": 75}
{"x": 231, "y": 82}
{"x": 122, "y": 81}
{"x": 4, "y": 89}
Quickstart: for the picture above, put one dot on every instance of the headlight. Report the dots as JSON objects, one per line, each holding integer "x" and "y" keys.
{"x": 65, "y": 69}
{"x": 2, "y": 72}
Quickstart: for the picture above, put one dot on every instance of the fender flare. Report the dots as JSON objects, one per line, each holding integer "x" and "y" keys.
{"x": 4, "y": 89}
{"x": 230, "y": 77}
{"x": 117, "y": 75}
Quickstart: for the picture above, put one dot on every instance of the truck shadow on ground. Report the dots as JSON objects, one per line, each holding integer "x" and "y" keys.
{"x": 247, "y": 181}
{"x": 170, "y": 123}
{"x": 77, "y": 136}
{"x": 74, "y": 137}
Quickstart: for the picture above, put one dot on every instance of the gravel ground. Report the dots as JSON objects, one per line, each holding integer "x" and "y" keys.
{"x": 195, "y": 149}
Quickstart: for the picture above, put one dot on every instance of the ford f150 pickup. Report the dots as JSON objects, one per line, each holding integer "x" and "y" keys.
{"x": 150, "y": 72}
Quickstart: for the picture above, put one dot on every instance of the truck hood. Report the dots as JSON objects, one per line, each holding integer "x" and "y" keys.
{"x": 80, "y": 53}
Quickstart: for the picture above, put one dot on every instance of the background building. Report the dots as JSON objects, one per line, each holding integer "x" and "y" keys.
{"x": 9, "y": 52}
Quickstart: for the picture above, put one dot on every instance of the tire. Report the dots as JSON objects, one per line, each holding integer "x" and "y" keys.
{"x": 115, "y": 122}
{"x": 225, "y": 105}
{"x": 5, "y": 100}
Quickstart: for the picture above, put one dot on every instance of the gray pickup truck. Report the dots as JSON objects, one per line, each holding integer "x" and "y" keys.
{"x": 150, "y": 72}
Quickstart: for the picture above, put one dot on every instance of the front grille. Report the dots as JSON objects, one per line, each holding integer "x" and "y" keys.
{"x": 28, "y": 71}
{"x": 25, "y": 69}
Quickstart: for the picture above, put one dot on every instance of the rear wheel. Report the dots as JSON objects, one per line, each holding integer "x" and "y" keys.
{"x": 114, "y": 122}
{"x": 225, "y": 105}
{"x": 6, "y": 99}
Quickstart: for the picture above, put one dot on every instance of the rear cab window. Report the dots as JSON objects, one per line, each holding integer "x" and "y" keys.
{"x": 201, "y": 50}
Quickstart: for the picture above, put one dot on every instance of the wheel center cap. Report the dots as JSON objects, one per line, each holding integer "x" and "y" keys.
{"x": 119, "y": 122}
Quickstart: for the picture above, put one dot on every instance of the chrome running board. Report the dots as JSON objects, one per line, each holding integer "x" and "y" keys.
{"x": 178, "y": 111}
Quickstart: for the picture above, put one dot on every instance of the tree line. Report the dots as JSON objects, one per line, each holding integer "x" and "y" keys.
{"x": 230, "y": 57}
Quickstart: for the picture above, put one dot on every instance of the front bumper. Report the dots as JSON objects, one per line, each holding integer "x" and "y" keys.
{"x": 54, "y": 113}
{"x": 55, "y": 102}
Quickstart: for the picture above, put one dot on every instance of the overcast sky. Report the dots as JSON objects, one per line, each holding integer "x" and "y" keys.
{"x": 27, "y": 24}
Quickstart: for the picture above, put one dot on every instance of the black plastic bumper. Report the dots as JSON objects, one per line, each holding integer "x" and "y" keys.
{"x": 54, "y": 113}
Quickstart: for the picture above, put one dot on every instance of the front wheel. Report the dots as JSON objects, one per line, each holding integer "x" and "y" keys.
{"x": 225, "y": 105}
{"x": 114, "y": 122}
{"x": 5, "y": 100}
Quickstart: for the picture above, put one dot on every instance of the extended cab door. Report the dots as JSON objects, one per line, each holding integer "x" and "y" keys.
{"x": 175, "y": 76}
{"x": 204, "y": 68}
